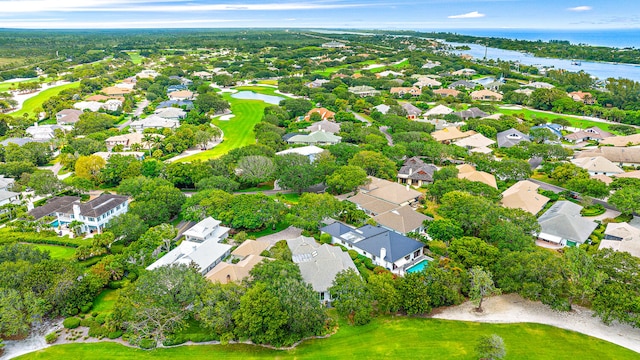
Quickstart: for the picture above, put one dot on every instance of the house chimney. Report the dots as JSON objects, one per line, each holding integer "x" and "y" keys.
{"x": 410, "y": 171}
{"x": 383, "y": 253}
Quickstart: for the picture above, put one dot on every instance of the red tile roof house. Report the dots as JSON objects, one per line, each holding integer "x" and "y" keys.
{"x": 583, "y": 97}
{"x": 324, "y": 114}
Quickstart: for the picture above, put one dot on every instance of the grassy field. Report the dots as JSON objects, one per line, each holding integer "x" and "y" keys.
{"x": 575, "y": 121}
{"x": 268, "y": 82}
{"x": 330, "y": 70}
{"x": 238, "y": 131}
{"x": 31, "y": 104}
{"x": 105, "y": 301}
{"x": 406, "y": 338}
{"x": 135, "y": 57}
{"x": 6, "y": 86}
{"x": 57, "y": 252}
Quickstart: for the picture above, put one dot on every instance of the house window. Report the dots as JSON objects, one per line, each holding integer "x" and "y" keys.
{"x": 321, "y": 296}
{"x": 407, "y": 257}
{"x": 374, "y": 257}
{"x": 416, "y": 253}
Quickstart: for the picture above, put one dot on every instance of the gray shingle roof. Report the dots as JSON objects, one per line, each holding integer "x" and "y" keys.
{"x": 563, "y": 219}
{"x": 511, "y": 137}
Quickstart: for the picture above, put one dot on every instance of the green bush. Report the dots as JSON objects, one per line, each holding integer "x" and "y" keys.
{"x": 101, "y": 319}
{"x": 51, "y": 337}
{"x": 114, "y": 334}
{"x": 85, "y": 308}
{"x": 71, "y": 323}
{"x": 368, "y": 263}
{"x": 199, "y": 338}
{"x": 175, "y": 339}
{"x": 97, "y": 331}
{"x": 147, "y": 344}
{"x": 353, "y": 254}
{"x": 325, "y": 239}
{"x": 116, "y": 284}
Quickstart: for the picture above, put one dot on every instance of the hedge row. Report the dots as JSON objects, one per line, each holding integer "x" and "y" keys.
{"x": 8, "y": 236}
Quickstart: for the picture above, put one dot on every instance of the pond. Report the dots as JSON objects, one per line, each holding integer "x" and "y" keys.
{"x": 250, "y": 95}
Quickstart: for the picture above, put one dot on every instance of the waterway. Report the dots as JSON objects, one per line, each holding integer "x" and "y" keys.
{"x": 601, "y": 70}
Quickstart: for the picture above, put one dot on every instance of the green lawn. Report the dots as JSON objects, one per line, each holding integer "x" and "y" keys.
{"x": 14, "y": 84}
{"x": 330, "y": 70}
{"x": 268, "y": 231}
{"x": 135, "y": 57}
{"x": 105, "y": 301}
{"x": 402, "y": 338}
{"x": 238, "y": 131}
{"x": 31, "y": 104}
{"x": 268, "y": 82}
{"x": 56, "y": 251}
{"x": 575, "y": 121}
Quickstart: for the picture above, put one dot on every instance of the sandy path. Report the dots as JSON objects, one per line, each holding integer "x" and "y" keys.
{"x": 513, "y": 309}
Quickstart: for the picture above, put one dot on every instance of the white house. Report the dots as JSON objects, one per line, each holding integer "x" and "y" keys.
{"x": 94, "y": 214}
{"x": 385, "y": 248}
{"x": 112, "y": 105}
{"x": 45, "y": 132}
{"x": 201, "y": 247}
{"x": 310, "y": 151}
{"x": 154, "y": 122}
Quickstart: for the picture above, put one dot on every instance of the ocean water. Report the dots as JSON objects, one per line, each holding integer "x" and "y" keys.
{"x": 619, "y": 38}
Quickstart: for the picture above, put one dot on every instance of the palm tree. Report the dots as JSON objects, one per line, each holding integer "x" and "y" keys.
{"x": 149, "y": 140}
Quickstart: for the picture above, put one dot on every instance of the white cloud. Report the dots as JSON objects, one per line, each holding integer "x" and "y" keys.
{"x": 580, "y": 8}
{"x": 471, "y": 15}
{"x": 30, "y": 6}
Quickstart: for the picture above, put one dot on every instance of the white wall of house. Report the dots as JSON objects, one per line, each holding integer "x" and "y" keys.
{"x": 97, "y": 223}
{"x": 377, "y": 259}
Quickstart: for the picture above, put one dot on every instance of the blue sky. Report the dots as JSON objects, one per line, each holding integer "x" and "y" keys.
{"x": 361, "y": 14}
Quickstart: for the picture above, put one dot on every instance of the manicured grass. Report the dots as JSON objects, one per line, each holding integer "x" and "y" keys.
{"x": 268, "y": 82}
{"x": 575, "y": 121}
{"x": 5, "y": 86}
{"x": 260, "y": 187}
{"x": 268, "y": 231}
{"x": 135, "y": 57}
{"x": 57, "y": 252}
{"x": 330, "y": 70}
{"x": 400, "y": 338}
{"x": 31, "y": 104}
{"x": 238, "y": 131}
{"x": 105, "y": 301}
{"x": 291, "y": 198}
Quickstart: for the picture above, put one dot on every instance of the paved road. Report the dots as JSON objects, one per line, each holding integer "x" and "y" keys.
{"x": 383, "y": 130}
{"x": 136, "y": 113}
{"x": 558, "y": 189}
{"x": 361, "y": 118}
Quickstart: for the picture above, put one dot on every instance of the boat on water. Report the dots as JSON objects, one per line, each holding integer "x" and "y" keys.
{"x": 576, "y": 62}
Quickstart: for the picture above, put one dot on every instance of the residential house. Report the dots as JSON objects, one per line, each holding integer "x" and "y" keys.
{"x": 183, "y": 81}
{"x": 310, "y": 151}
{"x": 524, "y": 195}
{"x": 438, "y": 110}
{"x": 6, "y": 183}
{"x": 464, "y": 72}
{"x": 427, "y": 82}
{"x": 154, "y": 122}
{"x": 471, "y": 113}
{"x": 174, "y": 88}
{"x": 622, "y": 156}
{"x": 380, "y": 196}
{"x": 382, "y": 108}
{"x": 416, "y": 172}
{"x": 171, "y": 113}
{"x": 364, "y": 91}
{"x": 431, "y": 64}
{"x": 554, "y": 128}
{"x": 387, "y": 73}
{"x": 462, "y": 84}
{"x": 412, "y": 111}
{"x": 562, "y": 225}
{"x": 201, "y": 247}
{"x": 147, "y": 74}
{"x": 98, "y": 98}
{"x": 621, "y": 237}
{"x": 333, "y": 45}
{"x": 116, "y": 91}
{"x": 203, "y": 75}
{"x": 68, "y": 116}
{"x": 317, "y": 83}
{"x": 45, "y": 132}
{"x": 486, "y": 95}
{"x": 539, "y": 85}
{"x": 583, "y": 97}
{"x": 181, "y": 95}
{"x": 622, "y": 141}
{"x": 324, "y": 114}
{"x": 242, "y": 260}
{"x": 112, "y": 105}
{"x": 598, "y": 165}
{"x": 446, "y": 92}
{"x": 88, "y": 105}
{"x": 526, "y": 91}
{"x": 128, "y": 140}
{"x": 401, "y": 91}
{"x": 403, "y": 220}
{"x": 450, "y": 134}
{"x": 511, "y": 137}
{"x": 315, "y": 138}
{"x": 319, "y": 264}
{"x": 469, "y": 172}
{"x": 630, "y": 174}
{"x": 187, "y": 104}
{"x": 385, "y": 248}
{"x": 94, "y": 214}
{"x": 476, "y": 143}
{"x": 494, "y": 85}
{"x": 592, "y": 133}
{"x": 324, "y": 125}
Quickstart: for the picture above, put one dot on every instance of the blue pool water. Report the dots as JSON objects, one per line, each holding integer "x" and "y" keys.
{"x": 418, "y": 267}
{"x": 55, "y": 224}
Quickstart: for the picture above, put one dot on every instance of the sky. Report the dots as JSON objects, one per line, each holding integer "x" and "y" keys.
{"x": 354, "y": 14}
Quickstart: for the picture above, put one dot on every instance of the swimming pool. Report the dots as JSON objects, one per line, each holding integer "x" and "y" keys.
{"x": 55, "y": 224}
{"x": 418, "y": 267}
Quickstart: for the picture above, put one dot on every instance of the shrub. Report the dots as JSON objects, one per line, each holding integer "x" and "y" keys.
{"x": 51, "y": 337}
{"x": 114, "y": 334}
{"x": 97, "y": 331}
{"x": 353, "y": 254}
{"x": 116, "y": 284}
{"x": 85, "y": 308}
{"x": 368, "y": 263}
{"x": 147, "y": 344}
{"x": 325, "y": 239}
{"x": 101, "y": 319}
{"x": 71, "y": 323}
